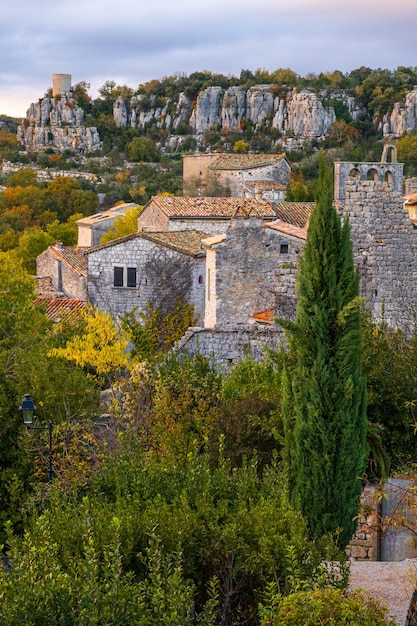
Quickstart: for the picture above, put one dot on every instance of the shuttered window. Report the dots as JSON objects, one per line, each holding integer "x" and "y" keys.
{"x": 131, "y": 276}
{"x": 118, "y": 276}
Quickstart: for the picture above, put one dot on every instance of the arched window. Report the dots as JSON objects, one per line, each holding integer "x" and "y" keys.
{"x": 388, "y": 178}
{"x": 372, "y": 174}
{"x": 354, "y": 173}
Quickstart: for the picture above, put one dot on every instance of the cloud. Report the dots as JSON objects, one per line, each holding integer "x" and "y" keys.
{"x": 132, "y": 42}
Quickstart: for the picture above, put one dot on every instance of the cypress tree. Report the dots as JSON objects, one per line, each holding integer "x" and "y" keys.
{"x": 324, "y": 388}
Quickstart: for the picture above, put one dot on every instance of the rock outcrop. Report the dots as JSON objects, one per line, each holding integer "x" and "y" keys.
{"x": 57, "y": 123}
{"x": 403, "y": 118}
{"x": 302, "y": 114}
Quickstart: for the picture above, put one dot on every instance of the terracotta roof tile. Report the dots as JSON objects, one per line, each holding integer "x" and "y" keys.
{"x": 288, "y": 229}
{"x": 205, "y": 207}
{"x": 73, "y": 256}
{"x": 263, "y": 317}
{"x": 186, "y": 241}
{"x": 296, "y": 213}
{"x": 265, "y": 184}
{"x": 44, "y": 288}
{"x": 244, "y": 161}
{"x": 58, "y": 309}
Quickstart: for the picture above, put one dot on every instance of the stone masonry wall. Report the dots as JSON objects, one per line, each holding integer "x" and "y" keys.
{"x": 253, "y": 272}
{"x": 47, "y": 264}
{"x": 365, "y": 543}
{"x": 231, "y": 343}
{"x": 137, "y": 253}
{"x": 385, "y": 250}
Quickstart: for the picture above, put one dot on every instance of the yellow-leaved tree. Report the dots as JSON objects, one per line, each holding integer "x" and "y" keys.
{"x": 101, "y": 347}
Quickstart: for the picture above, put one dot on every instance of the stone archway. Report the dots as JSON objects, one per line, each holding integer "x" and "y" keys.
{"x": 389, "y": 153}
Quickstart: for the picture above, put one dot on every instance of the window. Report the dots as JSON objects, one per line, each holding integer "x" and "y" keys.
{"x": 118, "y": 276}
{"x": 131, "y": 276}
{"x": 124, "y": 276}
{"x": 284, "y": 248}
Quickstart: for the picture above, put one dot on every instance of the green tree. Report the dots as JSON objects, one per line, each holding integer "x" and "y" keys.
{"x": 325, "y": 396}
{"x": 240, "y": 146}
{"x": 142, "y": 149}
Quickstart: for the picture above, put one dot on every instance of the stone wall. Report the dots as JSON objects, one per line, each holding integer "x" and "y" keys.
{"x": 137, "y": 252}
{"x": 254, "y": 269}
{"x": 64, "y": 278}
{"x": 384, "y": 245}
{"x": 365, "y": 545}
{"x": 231, "y": 343}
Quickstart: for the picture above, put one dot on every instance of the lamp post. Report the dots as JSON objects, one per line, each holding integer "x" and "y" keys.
{"x": 27, "y": 409}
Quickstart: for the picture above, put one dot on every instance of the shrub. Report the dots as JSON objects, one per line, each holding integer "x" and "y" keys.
{"x": 327, "y": 607}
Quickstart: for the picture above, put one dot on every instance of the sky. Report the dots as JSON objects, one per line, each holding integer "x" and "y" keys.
{"x": 134, "y": 41}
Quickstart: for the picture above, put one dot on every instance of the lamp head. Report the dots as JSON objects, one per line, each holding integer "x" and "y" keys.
{"x": 27, "y": 409}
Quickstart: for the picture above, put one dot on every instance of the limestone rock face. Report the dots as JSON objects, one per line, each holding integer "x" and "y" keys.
{"x": 301, "y": 114}
{"x": 207, "y": 112}
{"x": 135, "y": 113}
{"x": 57, "y": 123}
{"x": 403, "y": 118}
{"x": 307, "y": 116}
{"x": 233, "y": 111}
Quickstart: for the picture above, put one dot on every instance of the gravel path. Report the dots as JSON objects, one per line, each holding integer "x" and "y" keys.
{"x": 391, "y": 582}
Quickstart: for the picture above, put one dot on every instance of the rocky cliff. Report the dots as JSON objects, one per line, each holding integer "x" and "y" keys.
{"x": 295, "y": 115}
{"x": 57, "y": 123}
{"x": 403, "y": 118}
{"x": 302, "y": 114}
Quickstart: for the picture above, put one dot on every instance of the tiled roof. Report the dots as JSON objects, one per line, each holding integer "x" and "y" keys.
{"x": 288, "y": 229}
{"x": 184, "y": 207}
{"x": 58, "y": 309}
{"x": 411, "y": 199}
{"x": 296, "y": 213}
{"x": 263, "y": 317}
{"x": 44, "y": 288}
{"x": 244, "y": 161}
{"x": 186, "y": 241}
{"x": 73, "y": 256}
{"x": 265, "y": 184}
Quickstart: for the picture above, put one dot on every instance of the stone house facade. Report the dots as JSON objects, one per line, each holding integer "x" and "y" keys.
{"x": 251, "y": 268}
{"x": 130, "y": 272}
{"x": 66, "y": 267}
{"x": 236, "y": 174}
{"x": 211, "y": 215}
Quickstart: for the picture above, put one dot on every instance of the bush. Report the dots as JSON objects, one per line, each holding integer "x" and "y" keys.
{"x": 327, "y": 607}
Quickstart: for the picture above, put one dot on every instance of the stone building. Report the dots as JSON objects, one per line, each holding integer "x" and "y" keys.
{"x": 384, "y": 243}
{"x": 236, "y": 175}
{"x": 130, "y": 272}
{"x": 211, "y": 215}
{"x": 384, "y": 239}
{"x": 251, "y": 268}
{"x": 66, "y": 269}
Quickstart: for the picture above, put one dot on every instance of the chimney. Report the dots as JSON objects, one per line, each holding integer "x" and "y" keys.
{"x": 58, "y": 245}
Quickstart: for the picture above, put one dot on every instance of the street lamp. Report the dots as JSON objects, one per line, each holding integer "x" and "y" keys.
{"x": 27, "y": 409}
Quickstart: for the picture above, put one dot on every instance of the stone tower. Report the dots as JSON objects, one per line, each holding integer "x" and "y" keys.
{"x": 61, "y": 84}
{"x": 383, "y": 236}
